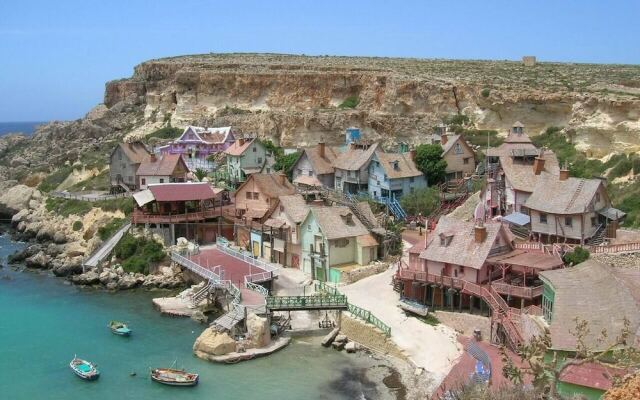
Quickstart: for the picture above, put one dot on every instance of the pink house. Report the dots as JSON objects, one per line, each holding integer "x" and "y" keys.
{"x": 196, "y": 144}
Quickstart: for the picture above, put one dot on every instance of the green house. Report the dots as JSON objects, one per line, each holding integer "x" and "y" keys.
{"x": 245, "y": 157}
{"x": 334, "y": 240}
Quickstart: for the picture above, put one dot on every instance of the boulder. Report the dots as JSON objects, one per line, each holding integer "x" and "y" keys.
{"x": 88, "y": 278}
{"x": 112, "y": 286}
{"x": 213, "y": 343}
{"x": 258, "y": 331}
{"x": 39, "y": 260}
{"x": 18, "y": 161}
{"x": 127, "y": 282}
{"x": 351, "y": 347}
{"x": 328, "y": 339}
{"x": 340, "y": 338}
{"x": 15, "y": 199}
{"x": 338, "y": 345}
{"x": 19, "y": 217}
{"x": 68, "y": 267}
{"x": 45, "y": 234}
{"x": 59, "y": 238}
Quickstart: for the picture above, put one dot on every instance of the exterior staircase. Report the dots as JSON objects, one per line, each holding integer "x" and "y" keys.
{"x": 599, "y": 237}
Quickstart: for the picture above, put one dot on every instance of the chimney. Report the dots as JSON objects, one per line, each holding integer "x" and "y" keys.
{"x": 480, "y": 232}
{"x": 412, "y": 154}
{"x": 564, "y": 172}
{"x": 153, "y": 157}
{"x": 538, "y": 164}
{"x": 241, "y": 141}
{"x": 443, "y": 139}
{"x": 321, "y": 149}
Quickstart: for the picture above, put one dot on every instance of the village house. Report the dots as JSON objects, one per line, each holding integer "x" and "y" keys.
{"x": 166, "y": 168}
{"x": 283, "y": 227}
{"x": 197, "y": 144}
{"x": 513, "y": 169}
{"x": 245, "y": 157}
{"x": 173, "y": 210}
{"x": 314, "y": 167}
{"x": 603, "y": 296}
{"x": 352, "y": 167}
{"x": 458, "y": 259}
{"x": 563, "y": 208}
{"x": 124, "y": 162}
{"x": 460, "y": 157}
{"x": 334, "y": 240}
{"x": 392, "y": 175}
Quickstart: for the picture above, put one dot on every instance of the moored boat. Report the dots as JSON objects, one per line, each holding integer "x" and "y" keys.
{"x": 119, "y": 328}
{"x": 84, "y": 369}
{"x": 174, "y": 377}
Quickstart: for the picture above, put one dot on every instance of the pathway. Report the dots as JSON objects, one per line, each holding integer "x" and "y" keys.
{"x": 106, "y": 248}
{"x": 433, "y": 348}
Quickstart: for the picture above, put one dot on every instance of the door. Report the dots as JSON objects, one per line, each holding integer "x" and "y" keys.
{"x": 256, "y": 249}
{"x": 266, "y": 251}
{"x": 320, "y": 275}
{"x": 295, "y": 261}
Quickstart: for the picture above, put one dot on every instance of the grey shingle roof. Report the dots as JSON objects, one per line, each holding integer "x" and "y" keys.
{"x": 322, "y": 165}
{"x": 135, "y": 151}
{"x": 354, "y": 159}
{"x": 463, "y": 249}
{"x": 295, "y": 207}
{"x": 571, "y": 196}
{"x": 334, "y": 225}
{"x": 522, "y": 176}
{"x": 599, "y": 294}
{"x": 406, "y": 167}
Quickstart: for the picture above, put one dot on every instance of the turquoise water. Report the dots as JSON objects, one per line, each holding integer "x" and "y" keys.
{"x": 44, "y": 322}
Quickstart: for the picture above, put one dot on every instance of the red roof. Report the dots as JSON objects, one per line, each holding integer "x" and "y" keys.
{"x": 182, "y": 191}
{"x": 236, "y": 149}
{"x": 591, "y": 375}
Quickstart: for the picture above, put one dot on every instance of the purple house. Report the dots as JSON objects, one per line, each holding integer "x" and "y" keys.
{"x": 196, "y": 144}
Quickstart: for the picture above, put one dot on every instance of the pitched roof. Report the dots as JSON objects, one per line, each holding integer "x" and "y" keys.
{"x": 463, "y": 248}
{"x": 521, "y": 175}
{"x": 333, "y": 222}
{"x": 321, "y": 165}
{"x": 307, "y": 180}
{"x": 209, "y": 135}
{"x": 236, "y": 149}
{"x": 571, "y": 196}
{"x": 406, "y": 168}
{"x": 514, "y": 137}
{"x": 451, "y": 140}
{"x": 271, "y": 185}
{"x": 162, "y": 165}
{"x": 366, "y": 212}
{"x": 599, "y": 294}
{"x": 136, "y": 151}
{"x": 355, "y": 159}
{"x": 366, "y": 240}
{"x": 294, "y": 206}
{"x": 182, "y": 191}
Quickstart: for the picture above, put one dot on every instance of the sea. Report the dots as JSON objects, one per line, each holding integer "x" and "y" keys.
{"x": 27, "y": 128}
{"x": 45, "y": 321}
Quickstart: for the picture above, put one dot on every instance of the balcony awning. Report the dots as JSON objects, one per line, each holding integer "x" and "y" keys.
{"x": 612, "y": 213}
{"x": 143, "y": 197}
{"x": 517, "y": 218}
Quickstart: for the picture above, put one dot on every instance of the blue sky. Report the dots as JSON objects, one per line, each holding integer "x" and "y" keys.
{"x": 57, "y": 55}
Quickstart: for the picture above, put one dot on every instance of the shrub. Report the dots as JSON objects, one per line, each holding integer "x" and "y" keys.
{"x": 54, "y": 179}
{"x": 350, "y": 102}
{"x": 136, "y": 264}
{"x": 285, "y": 163}
{"x": 429, "y": 161}
{"x": 106, "y": 231}
{"x": 456, "y": 119}
{"x": 98, "y": 182}
{"x": 77, "y": 225}
{"x": 66, "y": 207}
{"x": 136, "y": 253}
{"x": 127, "y": 247}
{"x": 423, "y": 201}
{"x": 622, "y": 168}
{"x": 124, "y": 204}
{"x": 576, "y": 256}
{"x": 485, "y": 92}
{"x": 168, "y": 132}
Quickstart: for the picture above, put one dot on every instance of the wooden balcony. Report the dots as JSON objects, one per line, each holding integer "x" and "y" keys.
{"x": 138, "y": 217}
{"x": 523, "y": 292}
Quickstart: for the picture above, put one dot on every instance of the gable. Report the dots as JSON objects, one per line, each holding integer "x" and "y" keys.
{"x": 189, "y": 134}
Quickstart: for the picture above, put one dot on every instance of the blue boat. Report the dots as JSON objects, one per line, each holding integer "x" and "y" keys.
{"x": 84, "y": 369}
{"x": 119, "y": 328}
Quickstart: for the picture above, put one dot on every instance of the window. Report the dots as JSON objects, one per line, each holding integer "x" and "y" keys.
{"x": 256, "y": 195}
{"x": 386, "y": 178}
{"x": 309, "y": 228}
{"x": 594, "y": 221}
{"x": 259, "y": 160}
{"x": 457, "y": 148}
{"x": 466, "y": 160}
{"x": 161, "y": 180}
{"x": 281, "y": 208}
{"x": 143, "y": 181}
{"x": 543, "y": 218}
{"x": 568, "y": 221}
{"x": 341, "y": 242}
{"x": 411, "y": 179}
{"x": 597, "y": 197}
{"x": 299, "y": 171}
{"x": 119, "y": 156}
{"x": 310, "y": 173}
{"x": 254, "y": 149}
{"x": 412, "y": 189}
{"x": 248, "y": 194}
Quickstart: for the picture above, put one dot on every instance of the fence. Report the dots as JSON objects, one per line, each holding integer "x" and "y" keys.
{"x": 558, "y": 249}
{"x": 223, "y": 245}
{"x": 88, "y": 197}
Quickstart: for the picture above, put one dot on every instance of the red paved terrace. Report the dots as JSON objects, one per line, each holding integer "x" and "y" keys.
{"x": 234, "y": 269}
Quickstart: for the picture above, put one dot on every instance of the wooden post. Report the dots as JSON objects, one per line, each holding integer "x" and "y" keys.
{"x": 471, "y": 304}
{"x": 339, "y": 324}
{"x": 433, "y": 297}
{"x": 460, "y": 301}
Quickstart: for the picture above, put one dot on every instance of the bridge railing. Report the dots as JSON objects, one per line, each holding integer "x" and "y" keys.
{"x": 246, "y": 257}
{"x": 305, "y": 302}
{"x": 192, "y": 266}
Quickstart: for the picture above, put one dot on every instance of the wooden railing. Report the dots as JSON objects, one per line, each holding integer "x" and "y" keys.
{"x": 615, "y": 248}
{"x": 518, "y": 291}
{"x": 557, "y": 249}
{"x": 138, "y": 217}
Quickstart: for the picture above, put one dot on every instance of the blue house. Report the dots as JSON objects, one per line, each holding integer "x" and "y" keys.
{"x": 394, "y": 175}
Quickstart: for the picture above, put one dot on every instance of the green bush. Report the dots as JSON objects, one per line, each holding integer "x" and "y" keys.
{"x": 77, "y": 225}
{"x": 429, "y": 161}
{"x": 136, "y": 264}
{"x": 285, "y": 163}
{"x": 124, "y": 204}
{"x": 577, "y": 256}
{"x": 168, "y": 132}
{"x": 54, "y": 179}
{"x": 66, "y": 207}
{"x": 350, "y": 102}
{"x": 485, "y": 92}
{"x": 98, "y": 182}
{"x": 423, "y": 201}
{"x": 127, "y": 246}
{"x": 456, "y": 119}
{"x": 137, "y": 253}
{"x": 621, "y": 168}
{"x": 106, "y": 231}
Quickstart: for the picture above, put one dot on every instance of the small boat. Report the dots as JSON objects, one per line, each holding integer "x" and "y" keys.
{"x": 413, "y": 307}
{"x": 119, "y": 328}
{"x": 84, "y": 369}
{"x": 174, "y": 377}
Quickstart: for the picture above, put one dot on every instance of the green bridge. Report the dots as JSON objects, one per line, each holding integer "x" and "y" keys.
{"x": 293, "y": 303}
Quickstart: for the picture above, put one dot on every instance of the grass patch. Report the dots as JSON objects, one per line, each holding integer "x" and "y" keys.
{"x": 482, "y": 137}
{"x": 105, "y": 232}
{"x": 98, "y": 182}
{"x": 66, "y": 207}
{"x": 54, "y": 179}
{"x": 137, "y": 253}
{"x": 77, "y": 225}
{"x": 485, "y": 92}
{"x": 350, "y": 102}
{"x": 124, "y": 204}
{"x": 168, "y": 132}
{"x": 430, "y": 319}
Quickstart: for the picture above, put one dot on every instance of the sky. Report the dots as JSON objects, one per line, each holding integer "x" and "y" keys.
{"x": 56, "y": 56}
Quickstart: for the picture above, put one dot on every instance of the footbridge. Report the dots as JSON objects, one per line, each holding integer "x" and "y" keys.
{"x": 309, "y": 303}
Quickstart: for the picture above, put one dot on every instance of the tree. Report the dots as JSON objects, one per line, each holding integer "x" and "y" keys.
{"x": 545, "y": 365}
{"x": 577, "y": 256}
{"x": 429, "y": 161}
{"x": 423, "y": 201}
{"x": 200, "y": 173}
{"x": 285, "y": 163}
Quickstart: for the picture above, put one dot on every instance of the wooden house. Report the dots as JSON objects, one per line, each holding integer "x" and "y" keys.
{"x": 314, "y": 167}
{"x": 180, "y": 210}
{"x": 352, "y": 167}
{"x": 164, "y": 168}
{"x": 283, "y": 228}
{"x": 334, "y": 240}
{"x": 257, "y": 197}
{"x": 197, "y": 144}
{"x": 392, "y": 175}
{"x": 460, "y": 157}
{"x": 245, "y": 157}
{"x": 124, "y": 162}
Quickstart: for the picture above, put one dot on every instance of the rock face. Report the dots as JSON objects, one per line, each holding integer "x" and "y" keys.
{"x": 258, "y": 331}
{"x": 213, "y": 343}
{"x": 17, "y": 199}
